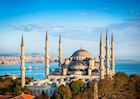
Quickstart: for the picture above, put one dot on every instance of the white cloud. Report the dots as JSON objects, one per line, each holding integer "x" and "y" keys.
{"x": 127, "y": 36}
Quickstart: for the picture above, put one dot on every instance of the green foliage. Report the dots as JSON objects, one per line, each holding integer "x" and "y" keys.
{"x": 119, "y": 87}
{"x": 8, "y": 85}
{"x": 76, "y": 87}
{"x": 120, "y": 80}
{"x": 17, "y": 90}
{"x": 134, "y": 84}
{"x": 25, "y": 89}
{"x": 63, "y": 92}
{"x": 105, "y": 88}
{"x": 28, "y": 79}
{"x": 133, "y": 78}
{"x": 84, "y": 95}
{"x": 120, "y": 75}
{"x": 89, "y": 84}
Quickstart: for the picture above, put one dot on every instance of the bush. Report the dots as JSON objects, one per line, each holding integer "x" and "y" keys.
{"x": 63, "y": 92}
{"x": 76, "y": 87}
{"x": 105, "y": 88}
{"x": 17, "y": 90}
{"x": 25, "y": 89}
{"x": 120, "y": 80}
{"x": 133, "y": 84}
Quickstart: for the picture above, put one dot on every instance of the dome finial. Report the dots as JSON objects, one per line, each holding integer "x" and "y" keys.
{"x": 81, "y": 46}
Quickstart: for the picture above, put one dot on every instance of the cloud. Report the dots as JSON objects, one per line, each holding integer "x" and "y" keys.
{"x": 127, "y": 28}
{"x": 127, "y": 35}
{"x": 27, "y": 27}
{"x": 70, "y": 32}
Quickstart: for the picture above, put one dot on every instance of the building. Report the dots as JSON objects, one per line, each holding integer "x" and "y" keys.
{"x": 24, "y": 96}
{"x": 81, "y": 65}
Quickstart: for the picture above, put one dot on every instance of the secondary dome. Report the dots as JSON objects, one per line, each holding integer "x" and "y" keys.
{"x": 81, "y": 53}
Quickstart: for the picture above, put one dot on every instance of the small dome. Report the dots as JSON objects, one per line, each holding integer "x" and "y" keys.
{"x": 81, "y": 53}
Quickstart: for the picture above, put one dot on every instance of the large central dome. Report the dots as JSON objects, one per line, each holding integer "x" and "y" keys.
{"x": 81, "y": 53}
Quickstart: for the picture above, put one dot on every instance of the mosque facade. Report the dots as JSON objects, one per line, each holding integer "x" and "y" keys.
{"x": 81, "y": 65}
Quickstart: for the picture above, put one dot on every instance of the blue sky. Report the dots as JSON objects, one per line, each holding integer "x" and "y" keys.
{"x": 78, "y": 21}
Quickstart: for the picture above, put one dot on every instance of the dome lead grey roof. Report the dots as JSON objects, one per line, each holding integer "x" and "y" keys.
{"x": 81, "y": 53}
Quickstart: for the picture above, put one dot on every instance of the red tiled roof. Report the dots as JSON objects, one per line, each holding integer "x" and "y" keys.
{"x": 24, "y": 96}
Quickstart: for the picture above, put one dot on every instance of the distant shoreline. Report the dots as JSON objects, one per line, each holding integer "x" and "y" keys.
{"x": 26, "y": 63}
{"x": 19, "y": 64}
{"x": 129, "y": 60}
{"x": 56, "y": 62}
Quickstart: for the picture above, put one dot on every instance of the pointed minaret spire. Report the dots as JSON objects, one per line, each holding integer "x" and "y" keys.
{"x": 101, "y": 58}
{"x": 46, "y": 35}
{"x": 22, "y": 41}
{"x": 101, "y": 40}
{"x": 112, "y": 54}
{"x": 22, "y": 57}
{"x": 46, "y": 56}
{"x": 59, "y": 38}
{"x": 107, "y": 55}
{"x": 60, "y": 51}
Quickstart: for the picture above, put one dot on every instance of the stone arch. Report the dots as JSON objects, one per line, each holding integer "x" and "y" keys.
{"x": 95, "y": 71}
{"x": 43, "y": 92}
{"x": 46, "y": 92}
{"x": 53, "y": 85}
{"x": 38, "y": 91}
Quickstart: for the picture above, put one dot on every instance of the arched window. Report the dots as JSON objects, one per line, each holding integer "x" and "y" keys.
{"x": 95, "y": 71}
{"x": 46, "y": 92}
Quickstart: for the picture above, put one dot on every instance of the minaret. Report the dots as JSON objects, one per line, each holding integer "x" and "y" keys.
{"x": 60, "y": 52}
{"x": 22, "y": 63}
{"x": 46, "y": 56}
{"x": 107, "y": 55}
{"x": 101, "y": 58}
{"x": 112, "y": 54}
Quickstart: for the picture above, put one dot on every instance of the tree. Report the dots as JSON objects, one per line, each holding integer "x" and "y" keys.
{"x": 87, "y": 94}
{"x": 120, "y": 80}
{"x": 89, "y": 85}
{"x": 63, "y": 92}
{"x": 9, "y": 85}
{"x": 105, "y": 87}
{"x": 25, "y": 89}
{"x": 17, "y": 90}
{"x": 28, "y": 79}
{"x": 84, "y": 95}
{"x": 42, "y": 96}
{"x": 133, "y": 84}
{"x": 76, "y": 87}
{"x": 120, "y": 85}
{"x": 138, "y": 88}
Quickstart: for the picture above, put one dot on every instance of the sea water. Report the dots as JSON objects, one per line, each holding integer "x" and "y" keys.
{"x": 130, "y": 67}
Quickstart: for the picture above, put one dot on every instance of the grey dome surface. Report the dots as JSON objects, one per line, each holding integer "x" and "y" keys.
{"x": 80, "y": 63}
{"x": 81, "y": 53}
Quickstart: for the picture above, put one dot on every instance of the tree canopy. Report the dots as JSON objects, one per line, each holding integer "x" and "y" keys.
{"x": 63, "y": 92}
{"x": 76, "y": 87}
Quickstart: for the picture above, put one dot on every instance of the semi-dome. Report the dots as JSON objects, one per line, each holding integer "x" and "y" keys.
{"x": 78, "y": 63}
{"x": 81, "y": 53}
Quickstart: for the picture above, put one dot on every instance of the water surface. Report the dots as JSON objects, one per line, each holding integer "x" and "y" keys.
{"x": 129, "y": 67}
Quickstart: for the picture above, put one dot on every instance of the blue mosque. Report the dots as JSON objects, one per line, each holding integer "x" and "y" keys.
{"x": 81, "y": 65}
